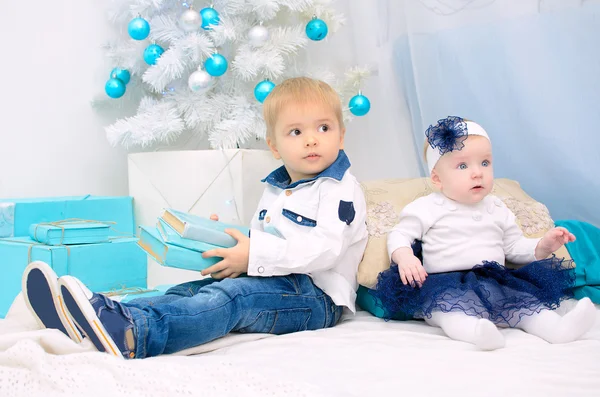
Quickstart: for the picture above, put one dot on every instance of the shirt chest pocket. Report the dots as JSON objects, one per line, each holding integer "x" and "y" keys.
{"x": 302, "y": 215}
{"x": 261, "y": 215}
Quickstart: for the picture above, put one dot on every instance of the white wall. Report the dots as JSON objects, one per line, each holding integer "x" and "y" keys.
{"x": 379, "y": 144}
{"x": 51, "y": 141}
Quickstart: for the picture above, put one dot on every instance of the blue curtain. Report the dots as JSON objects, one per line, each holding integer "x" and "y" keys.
{"x": 533, "y": 82}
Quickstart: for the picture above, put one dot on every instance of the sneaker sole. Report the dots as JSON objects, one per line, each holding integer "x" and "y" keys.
{"x": 84, "y": 315}
{"x": 44, "y": 301}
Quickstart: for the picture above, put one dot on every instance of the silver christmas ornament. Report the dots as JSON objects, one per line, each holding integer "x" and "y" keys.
{"x": 258, "y": 36}
{"x": 200, "y": 81}
{"x": 190, "y": 20}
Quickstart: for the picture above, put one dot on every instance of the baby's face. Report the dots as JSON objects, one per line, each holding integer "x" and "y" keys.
{"x": 466, "y": 175}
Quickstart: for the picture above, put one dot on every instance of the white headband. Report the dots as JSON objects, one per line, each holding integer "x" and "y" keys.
{"x": 434, "y": 154}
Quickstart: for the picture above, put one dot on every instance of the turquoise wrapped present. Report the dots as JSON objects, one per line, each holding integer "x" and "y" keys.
{"x": 69, "y": 232}
{"x": 7, "y": 219}
{"x": 172, "y": 255}
{"x": 101, "y": 267}
{"x": 368, "y": 302}
{"x": 17, "y": 215}
{"x": 129, "y": 294}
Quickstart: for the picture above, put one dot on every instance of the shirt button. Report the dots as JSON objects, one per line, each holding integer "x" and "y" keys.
{"x": 288, "y": 192}
{"x": 477, "y": 216}
{"x": 261, "y": 269}
{"x": 268, "y": 219}
{"x": 299, "y": 219}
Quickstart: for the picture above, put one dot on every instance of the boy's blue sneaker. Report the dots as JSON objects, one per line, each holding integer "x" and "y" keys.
{"x": 107, "y": 323}
{"x": 44, "y": 300}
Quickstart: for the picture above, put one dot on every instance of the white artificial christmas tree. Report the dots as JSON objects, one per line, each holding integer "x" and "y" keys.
{"x": 246, "y": 42}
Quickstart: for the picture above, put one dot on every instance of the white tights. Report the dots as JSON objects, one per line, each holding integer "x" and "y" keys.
{"x": 547, "y": 325}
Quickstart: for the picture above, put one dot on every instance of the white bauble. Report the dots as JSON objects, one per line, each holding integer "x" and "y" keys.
{"x": 200, "y": 81}
{"x": 258, "y": 36}
{"x": 190, "y": 20}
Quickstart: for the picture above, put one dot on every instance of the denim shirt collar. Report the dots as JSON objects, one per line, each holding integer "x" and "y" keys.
{"x": 281, "y": 179}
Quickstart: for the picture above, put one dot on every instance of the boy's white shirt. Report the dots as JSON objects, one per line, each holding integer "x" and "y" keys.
{"x": 329, "y": 252}
{"x": 458, "y": 236}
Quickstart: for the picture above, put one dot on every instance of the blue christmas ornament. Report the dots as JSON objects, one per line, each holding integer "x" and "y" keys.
{"x": 216, "y": 65}
{"x": 138, "y": 28}
{"x": 359, "y": 105}
{"x": 263, "y": 89}
{"x": 121, "y": 74}
{"x": 152, "y": 53}
{"x": 316, "y": 29}
{"x": 115, "y": 88}
{"x": 210, "y": 16}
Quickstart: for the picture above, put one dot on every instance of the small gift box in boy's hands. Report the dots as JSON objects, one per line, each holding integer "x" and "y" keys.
{"x": 171, "y": 255}
{"x": 179, "y": 239}
{"x": 194, "y": 227}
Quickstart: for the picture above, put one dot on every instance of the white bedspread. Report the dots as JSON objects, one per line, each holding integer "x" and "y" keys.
{"x": 362, "y": 356}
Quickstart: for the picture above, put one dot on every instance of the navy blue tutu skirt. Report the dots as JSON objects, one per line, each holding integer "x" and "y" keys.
{"x": 489, "y": 291}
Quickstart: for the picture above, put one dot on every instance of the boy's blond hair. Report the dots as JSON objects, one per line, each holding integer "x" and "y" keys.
{"x": 299, "y": 90}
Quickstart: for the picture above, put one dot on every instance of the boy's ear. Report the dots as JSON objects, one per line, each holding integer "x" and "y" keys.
{"x": 273, "y": 147}
{"x": 342, "y": 134}
{"x": 435, "y": 179}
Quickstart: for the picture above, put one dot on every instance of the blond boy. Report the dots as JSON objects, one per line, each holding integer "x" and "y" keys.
{"x": 306, "y": 240}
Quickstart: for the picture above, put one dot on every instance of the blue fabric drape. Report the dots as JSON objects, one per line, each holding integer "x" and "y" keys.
{"x": 532, "y": 81}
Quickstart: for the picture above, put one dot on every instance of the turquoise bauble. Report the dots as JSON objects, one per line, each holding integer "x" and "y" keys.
{"x": 359, "y": 105}
{"x": 138, "y": 28}
{"x": 216, "y": 65}
{"x": 121, "y": 74}
{"x": 210, "y": 16}
{"x": 263, "y": 89}
{"x": 115, "y": 88}
{"x": 316, "y": 29}
{"x": 152, "y": 53}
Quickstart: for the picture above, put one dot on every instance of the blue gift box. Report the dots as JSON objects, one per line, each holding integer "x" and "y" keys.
{"x": 101, "y": 267}
{"x": 70, "y": 232}
{"x": 172, "y": 255}
{"x": 129, "y": 294}
{"x": 17, "y": 215}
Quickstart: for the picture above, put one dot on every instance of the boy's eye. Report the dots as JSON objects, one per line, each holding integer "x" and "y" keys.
{"x": 485, "y": 163}
{"x": 462, "y": 166}
{"x": 323, "y": 128}
{"x": 295, "y": 132}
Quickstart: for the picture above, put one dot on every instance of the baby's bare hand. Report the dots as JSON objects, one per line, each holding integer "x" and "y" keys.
{"x": 410, "y": 268}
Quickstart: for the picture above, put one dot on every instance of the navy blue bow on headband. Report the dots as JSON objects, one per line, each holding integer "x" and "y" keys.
{"x": 448, "y": 134}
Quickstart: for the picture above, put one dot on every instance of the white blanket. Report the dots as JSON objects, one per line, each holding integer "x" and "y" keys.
{"x": 361, "y": 356}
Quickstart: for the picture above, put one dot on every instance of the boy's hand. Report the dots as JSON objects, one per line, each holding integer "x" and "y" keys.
{"x": 409, "y": 266}
{"x": 553, "y": 240}
{"x": 214, "y": 217}
{"x": 235, "y": 259}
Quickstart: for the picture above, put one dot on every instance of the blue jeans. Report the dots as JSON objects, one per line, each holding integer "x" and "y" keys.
{"x": 197, "y": 312}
